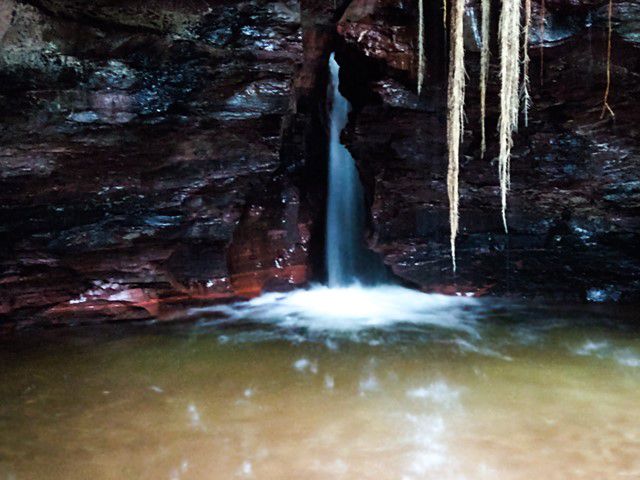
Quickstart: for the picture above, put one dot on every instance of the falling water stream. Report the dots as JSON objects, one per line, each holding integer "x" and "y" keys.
{"x": 332, "y": 382}
{"x": 345, "y": 200}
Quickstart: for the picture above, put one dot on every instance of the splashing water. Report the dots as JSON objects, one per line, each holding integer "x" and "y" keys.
{"x": 352, "y": 308}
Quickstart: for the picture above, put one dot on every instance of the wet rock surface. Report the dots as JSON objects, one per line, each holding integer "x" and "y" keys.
{"x": 573, "y": 207}
{"x": 132, "y": 137}
{"x": 163, "y": 153}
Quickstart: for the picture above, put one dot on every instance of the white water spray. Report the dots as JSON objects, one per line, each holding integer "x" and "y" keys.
{"x": 354, "y": 308}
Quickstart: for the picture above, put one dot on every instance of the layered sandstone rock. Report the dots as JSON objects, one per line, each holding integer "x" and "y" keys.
{"x": 573, "y": 207}
{"x": 132, "y": 139}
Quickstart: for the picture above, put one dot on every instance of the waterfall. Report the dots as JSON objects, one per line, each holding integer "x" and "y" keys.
{"x": 360, "y": 293}
{"x": 345, "y": 201}
{"x": 347, "y": 259}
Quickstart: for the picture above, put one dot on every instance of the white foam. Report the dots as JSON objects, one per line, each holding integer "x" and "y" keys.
{"x": 627, "y": 358}
{"x": 605, "y": 350}
{"x": 369, "y": 383}
{"x": 329, "y": 382}
{"x": 591, "y": 348}
{"x": 194, "y": 417}
{"x": 438, "y": 392}
{"x": 352, "y": 308}
{"x": 304, "y": 364}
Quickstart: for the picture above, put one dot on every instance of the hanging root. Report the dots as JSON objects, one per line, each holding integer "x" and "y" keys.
{"x": 484, "y": 71}
{"x": 444, "y": 14}
{"x": 421, "y": 59}
{"x": 605, "y": 102}
{"x": 541, "y": 29}
{"x": 526, "y": 98}
{"x": 455, "y": 116}
{"x": 509, "y": 34}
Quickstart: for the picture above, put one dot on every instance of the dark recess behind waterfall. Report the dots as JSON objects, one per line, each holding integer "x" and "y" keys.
{"x": 131, "y": 183}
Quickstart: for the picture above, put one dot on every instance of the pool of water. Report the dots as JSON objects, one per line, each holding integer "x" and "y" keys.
{"x": 442, "y": 389}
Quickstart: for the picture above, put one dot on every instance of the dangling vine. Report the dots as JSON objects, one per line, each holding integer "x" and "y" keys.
{"x": 509, "y": 34}
{"x": 484, "y": 71}
{"x": 455, "y": 116}
{"x": 541, "y": 29}
{"x": 526, "y": 98}
{"x": 605, "y": 102}
{"x": 421, "y": 59}
{"x": 444, "y": 14}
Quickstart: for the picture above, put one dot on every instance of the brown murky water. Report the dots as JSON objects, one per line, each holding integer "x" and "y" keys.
{"x": 523, "y": 395}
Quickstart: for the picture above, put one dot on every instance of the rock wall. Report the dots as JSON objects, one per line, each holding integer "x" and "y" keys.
{"x": 153, "y": 154}
{"x": 573, "y": 207}
{"x": 162, "y": 153}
